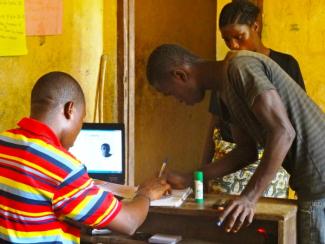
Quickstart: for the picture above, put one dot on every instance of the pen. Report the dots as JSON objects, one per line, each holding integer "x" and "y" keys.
{"x": 219, "y": 222}
{"x": 162, "y": 169}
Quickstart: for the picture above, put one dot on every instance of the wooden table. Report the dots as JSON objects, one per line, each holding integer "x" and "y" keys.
{"x": 196, "y": 223}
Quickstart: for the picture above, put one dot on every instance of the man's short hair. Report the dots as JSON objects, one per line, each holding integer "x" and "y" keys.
{"x": 164, "y": 58}
{"x": 238, "y": 12}
{"x": 56, "y": 88}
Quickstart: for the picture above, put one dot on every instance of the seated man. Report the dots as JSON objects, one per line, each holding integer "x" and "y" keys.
{"x": 42, "y": 184}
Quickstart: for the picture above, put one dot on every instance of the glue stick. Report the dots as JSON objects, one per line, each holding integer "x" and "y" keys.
{"x": 198, "y": 183}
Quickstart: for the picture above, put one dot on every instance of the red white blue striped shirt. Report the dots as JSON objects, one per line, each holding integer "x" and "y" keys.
{"x": 41, "y": 184}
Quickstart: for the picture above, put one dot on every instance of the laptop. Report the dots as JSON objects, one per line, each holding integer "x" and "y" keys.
{"x": 101, "y": 147}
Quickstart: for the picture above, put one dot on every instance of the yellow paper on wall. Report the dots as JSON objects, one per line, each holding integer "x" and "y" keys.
{"x": 12, "y": 28}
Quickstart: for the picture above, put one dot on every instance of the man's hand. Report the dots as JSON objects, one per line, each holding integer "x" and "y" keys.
{"x": 134, "y": 212}
{"x": 237, "y": 213}
{"x": 154, "y": 188}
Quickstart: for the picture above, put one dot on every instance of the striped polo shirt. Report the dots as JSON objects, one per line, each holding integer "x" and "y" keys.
{"x": 41, "y": 184}
{"x": 248, "y": 75}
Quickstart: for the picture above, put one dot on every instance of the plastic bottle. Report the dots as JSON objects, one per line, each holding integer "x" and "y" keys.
{"x": 198, "y": 183}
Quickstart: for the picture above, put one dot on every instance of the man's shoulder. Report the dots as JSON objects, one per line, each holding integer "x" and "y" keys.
{"x": 245, "y": 61}
{"x": 244, "y": 57}
{"x": 39, "y": 146}
{"x": 243, "y": 53}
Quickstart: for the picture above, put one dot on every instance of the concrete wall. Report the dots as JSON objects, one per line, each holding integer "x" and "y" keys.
{"x": 297, "y": 27}
{"x": 163, "y": 126}
{"x": 77, "y": 51}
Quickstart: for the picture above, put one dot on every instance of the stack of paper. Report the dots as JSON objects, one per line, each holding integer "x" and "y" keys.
{"x": 164, "y": 239}
{"x": 175, "y": 199}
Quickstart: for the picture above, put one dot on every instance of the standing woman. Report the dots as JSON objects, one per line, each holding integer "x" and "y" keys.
{"x": 240, "y": 29}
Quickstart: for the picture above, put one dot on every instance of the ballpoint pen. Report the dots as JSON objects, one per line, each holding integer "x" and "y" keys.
{"x": 162, "y": 169}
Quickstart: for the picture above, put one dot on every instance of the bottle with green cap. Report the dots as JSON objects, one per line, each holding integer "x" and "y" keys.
{"x": 198, "y": 185}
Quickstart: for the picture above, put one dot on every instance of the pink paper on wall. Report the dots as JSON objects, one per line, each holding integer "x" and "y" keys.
{"x": 43, "y": 17}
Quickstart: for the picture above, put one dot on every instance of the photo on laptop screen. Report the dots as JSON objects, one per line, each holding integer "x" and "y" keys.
{"x": 100, "y": 146}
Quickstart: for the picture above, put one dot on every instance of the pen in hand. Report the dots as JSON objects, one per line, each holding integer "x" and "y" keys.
{"x": 162, "y": 169}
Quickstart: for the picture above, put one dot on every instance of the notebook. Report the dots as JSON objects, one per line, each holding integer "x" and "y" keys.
{"x": 175, "y": 199}
{"x": 164, "y": 239}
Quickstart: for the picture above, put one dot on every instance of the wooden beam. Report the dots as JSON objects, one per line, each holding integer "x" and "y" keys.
{"x": 126, "y": 77}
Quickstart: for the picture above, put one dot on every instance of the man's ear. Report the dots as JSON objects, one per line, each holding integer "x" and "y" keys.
{"x": 256, "y": 26}
{"x": 180, "y": 75}
{"x": 68, "y": 109}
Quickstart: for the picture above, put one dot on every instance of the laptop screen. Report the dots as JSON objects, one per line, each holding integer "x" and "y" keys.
{"x": 101, "y": 148}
